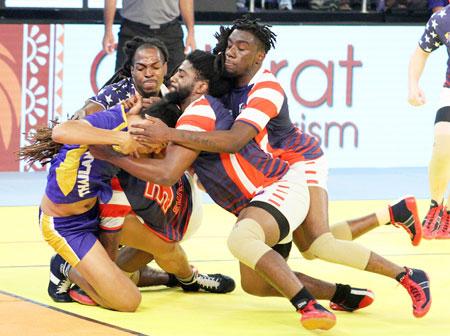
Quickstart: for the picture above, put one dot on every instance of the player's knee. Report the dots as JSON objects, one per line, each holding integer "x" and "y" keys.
{"x": 246, "y": 242}
{"x": 130, "y": 302}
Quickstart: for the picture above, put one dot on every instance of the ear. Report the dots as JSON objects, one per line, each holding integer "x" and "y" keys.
{"x": 260, "y": 57}
{"x": 201, "y": 87}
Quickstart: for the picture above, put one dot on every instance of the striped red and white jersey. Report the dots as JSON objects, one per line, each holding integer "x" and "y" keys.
{"x": 263, "y": 105}
{"x": 230, "y": 179}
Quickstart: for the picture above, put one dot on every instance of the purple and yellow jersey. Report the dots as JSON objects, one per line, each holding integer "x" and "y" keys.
{"x": 262, "y": 104}
{"x": 231, "y": 180}
{"x": 165, "y": 210}
{"x": 437, "y": 33}
{"x": 75, "y": 175}
{"x": 113, "y": 94}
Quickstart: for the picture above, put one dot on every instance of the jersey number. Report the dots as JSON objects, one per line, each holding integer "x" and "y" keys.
{"x": 163, "y": 195}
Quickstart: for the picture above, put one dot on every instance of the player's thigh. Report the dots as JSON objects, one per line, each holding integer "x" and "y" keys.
{"x": 105, "y": 277}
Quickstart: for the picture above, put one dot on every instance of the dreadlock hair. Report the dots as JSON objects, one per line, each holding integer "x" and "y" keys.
{"x": 261, "y": 31}
{"x": 207, "y": 67}
{"x": 167, "y": 108}
{"x": 130, "y": 48}
{"x": 42, "y": 148}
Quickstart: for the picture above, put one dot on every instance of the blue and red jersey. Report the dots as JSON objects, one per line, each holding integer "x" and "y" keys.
{"x": 263, "y": 105}
{"x": 231, "y": 180}
{"x": 437, "y": 33}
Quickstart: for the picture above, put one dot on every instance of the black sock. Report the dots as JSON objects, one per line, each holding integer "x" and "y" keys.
{"x": 173, "y": 281}
{"x": 301, "y": 299}
{"x": 341, "y": 293}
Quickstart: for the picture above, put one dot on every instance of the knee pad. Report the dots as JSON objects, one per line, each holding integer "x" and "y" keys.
{"x": 246, "y": 242}
{"x": 443, "y": 114}
{"x": 308, "y": 255}
{"x": 342, "y": 231}
{"x": 328, "y": 248}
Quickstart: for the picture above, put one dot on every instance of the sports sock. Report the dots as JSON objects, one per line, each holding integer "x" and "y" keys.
{"x": 301, "y": 299}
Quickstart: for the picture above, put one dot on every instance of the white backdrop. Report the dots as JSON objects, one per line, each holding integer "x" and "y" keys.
{"x": 364, "y": 95}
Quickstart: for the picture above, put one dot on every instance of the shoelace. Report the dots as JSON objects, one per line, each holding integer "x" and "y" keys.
{"x": 207, "y": 281}
{"x": 431, "y": 214}
{"x": 63, "y": 286}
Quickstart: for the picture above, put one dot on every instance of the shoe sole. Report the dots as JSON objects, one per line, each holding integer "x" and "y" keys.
{"x": 82, "y": 299}
{"x": 323, "y": 323}
{"x": 412, "y": 206}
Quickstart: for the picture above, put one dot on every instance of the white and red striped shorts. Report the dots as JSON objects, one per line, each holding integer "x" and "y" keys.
{"x": 316, "y": 171}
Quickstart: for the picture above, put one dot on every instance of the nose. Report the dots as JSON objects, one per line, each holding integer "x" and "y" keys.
{"x": 148, "y": 72}
{"x": 231, "y": 52}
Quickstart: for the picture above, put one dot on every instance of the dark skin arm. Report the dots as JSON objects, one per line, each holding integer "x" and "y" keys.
{"x": 229, "y": 141}
{"x": 165, "y": 171}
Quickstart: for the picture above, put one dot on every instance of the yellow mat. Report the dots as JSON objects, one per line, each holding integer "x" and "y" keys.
{"x": 24, "y": 259}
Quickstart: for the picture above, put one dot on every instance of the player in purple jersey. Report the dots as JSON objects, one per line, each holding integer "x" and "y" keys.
{"x": 69, "y": 216}
{"x": 437, "y": 32}
{"x": 264, "y": 117}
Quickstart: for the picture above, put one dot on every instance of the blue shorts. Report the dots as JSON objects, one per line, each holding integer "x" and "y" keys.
{"x": 72, "y": 236}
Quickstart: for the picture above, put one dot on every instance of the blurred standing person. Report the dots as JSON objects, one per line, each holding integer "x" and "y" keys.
{"x": 437, "y": 221}
{"x": 151, "y": 18}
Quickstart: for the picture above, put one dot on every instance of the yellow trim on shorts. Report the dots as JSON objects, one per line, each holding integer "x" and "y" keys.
{"x": 55, "y": 240}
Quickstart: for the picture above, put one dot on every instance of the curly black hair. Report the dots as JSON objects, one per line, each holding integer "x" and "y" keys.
{"x": 246, "y": 23}
{"x": 130, "y": 48}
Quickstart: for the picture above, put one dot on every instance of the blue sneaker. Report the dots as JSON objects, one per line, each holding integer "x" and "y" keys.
{"x": 59, "y": 284}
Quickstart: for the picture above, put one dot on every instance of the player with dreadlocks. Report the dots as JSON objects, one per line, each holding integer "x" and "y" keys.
{"x": 143, "y": 72}
{"x": 259, "y": 106}
{"x": 69, "y": 211}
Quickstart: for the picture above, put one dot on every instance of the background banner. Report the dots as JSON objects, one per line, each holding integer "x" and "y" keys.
{"x": 346, "y": 85}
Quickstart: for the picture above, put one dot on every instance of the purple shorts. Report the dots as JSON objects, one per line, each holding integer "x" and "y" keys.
{"x": 72, "y": 236}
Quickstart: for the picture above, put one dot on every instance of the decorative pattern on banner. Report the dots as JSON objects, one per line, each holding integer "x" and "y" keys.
{"x": 41, "y": 79}
{"x": 10, "y": 94}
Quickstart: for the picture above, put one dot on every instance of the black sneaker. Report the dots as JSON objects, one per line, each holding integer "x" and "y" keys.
{"x": 59, "y": 284}
{"x": 212, "y": 283}
{"x": 357, "y": 298}
{"x": 216, "y": 283}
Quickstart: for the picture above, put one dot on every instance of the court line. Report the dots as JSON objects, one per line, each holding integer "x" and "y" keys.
{"x": 132, "y": 332}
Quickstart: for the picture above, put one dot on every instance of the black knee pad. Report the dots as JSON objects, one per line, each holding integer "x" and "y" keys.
{"x": 443, "y": 114}
{"x": 283, "y": 249}
{"x": 282, "y": 221}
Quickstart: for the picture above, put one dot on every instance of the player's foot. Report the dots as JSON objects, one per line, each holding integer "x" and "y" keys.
{"x": 432, "y": 221}
{"x": 58, "y": 286}
{"x": 80, "y": 296}
{"x": 212, "y": 283}
{"x": 404, "y": 214}
{"x": 357, "y": 298}
{"x": 417, "y": 284}
{"x": 444, "y": 229}
{"x": 314, "y": 316}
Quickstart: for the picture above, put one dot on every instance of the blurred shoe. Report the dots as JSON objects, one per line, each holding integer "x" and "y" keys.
{"x": 80, "y": 296}
{"x": 240, "y": 6}
{"x": 404, "y": 214}
{"x": 314, "y": 316}
{"x": 432, "y": 221}
{"x": 211, "y": 283}
{"x": 357, "y": 298}
{"x": 417, "y": 284}
{"x": 345, "y": 7}
{"x": 59, "y": 284}
{"x": 444, "y": 229}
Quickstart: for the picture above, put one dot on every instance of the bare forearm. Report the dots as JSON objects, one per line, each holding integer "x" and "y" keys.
{"x": 187, "y": 13}
{"x": 108, "y": 14}
{"x": 78, "y": 132}
{"x": 416, "y": 66}
{"x": 216, "y": 141}
{"x": 145, "y": 169}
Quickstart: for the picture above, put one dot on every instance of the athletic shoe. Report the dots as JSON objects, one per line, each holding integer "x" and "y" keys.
{"x": 314, "y": 316}
{"x": 417, "y": 284}
{"x": 357, "y": 298}
{"x": 404, "y": 214}
{"x": 444, "y": 230}
{"x": 211, "y": 283}
{"x": 80, "y": 296}
{"x": 59, "y": 283}
{"x": 432, "y": 220}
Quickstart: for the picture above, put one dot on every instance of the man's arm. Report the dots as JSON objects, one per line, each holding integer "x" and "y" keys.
{"x": 165, "y": 171}
{"x": 89, "y": 108}
{"x": 109, "y": 12}
{"x": 416, "y": 96}
{"x": 80, "y": 132}
{"x": 229, "y": 141}
{"x": 187, "y": 13}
